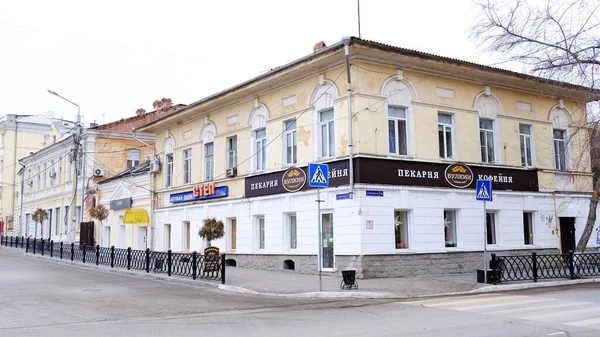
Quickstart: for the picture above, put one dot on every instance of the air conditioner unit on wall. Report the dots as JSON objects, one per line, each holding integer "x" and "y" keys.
{"x": 52, "y": 173}
{"x": 231, "y": 172}
{"x": 98, "y": 172}
{"x": 154, "y": 166}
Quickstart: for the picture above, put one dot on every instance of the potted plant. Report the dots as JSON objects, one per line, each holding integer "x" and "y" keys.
{"x": 99, "y": 212}
{"x": 38, "y": 217}
{"x": 212, "y": 229}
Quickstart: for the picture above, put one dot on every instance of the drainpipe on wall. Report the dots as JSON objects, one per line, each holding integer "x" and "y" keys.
{"x": 151, "y": 246}
{"x": 14, "y": 178}
{"x": 22, "y": 191}
{"x": 346, "y": 40}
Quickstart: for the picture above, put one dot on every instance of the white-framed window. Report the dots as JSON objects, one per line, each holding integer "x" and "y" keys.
{"x": 1, "y": 140}
{"x": 490, "y": 223}
{"x": 326, "y": 134}
{"x": 187, "y": 166}
{"x": 169, "y": 173}
{"x": 1, "y": 166}
{"x": 27, "y": 223}
{"x": 260, "y": 145}
{"x": 291, "y": 231}
{"x": 59, "y": 171}
{"x": 397, "y": 133}
{"x": 232, "y": 233}
{"x": 133, "y": 157}
{"x": 68, "y": 221}
{"x": 450, "y": 236}
{"x": 167, "y": 243}
{"x": 527, "y": 228}
{"x": 232, "y": 152}
{"x": 78, "y": 217}
{"x": 39, "y": 178}
{"x": 526, "y": 144}
{"x": 209, "y": 161}
{"x": 52, "y": 173}
{"x": 45, "y": 175}
{"x": 486, "y": 140}
{"x": 29, "y": 181}
{"x": 290, "y": 142}
{"x": 57, "y": 221}
{"x": 186, "y": 235}
{"x": 69, "y": 170}
{"x": 560, "y": 155}
{"x": 260, "y": 232}
{"x": 401, "y": 229}
{"x": 445, "y": 137}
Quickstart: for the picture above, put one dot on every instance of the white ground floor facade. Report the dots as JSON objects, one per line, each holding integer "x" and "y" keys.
{"x": 389, "y": 220}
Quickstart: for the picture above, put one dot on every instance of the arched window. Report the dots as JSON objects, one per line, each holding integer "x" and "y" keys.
{"x": 208, "y": 139}
{"x": 488, "y": 106}
{"x": 258, "y": 122}
{"x": 561, "y": 119}
{"x": 168, "y": 146}
{"x": 322, "y": 99}
{"x": 399, "y": 94}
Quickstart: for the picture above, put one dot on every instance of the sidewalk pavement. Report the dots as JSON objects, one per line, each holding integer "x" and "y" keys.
{"x": 290, "y": 284}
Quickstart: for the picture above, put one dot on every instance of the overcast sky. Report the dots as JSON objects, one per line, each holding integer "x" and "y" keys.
{"x": 114, "y": 57}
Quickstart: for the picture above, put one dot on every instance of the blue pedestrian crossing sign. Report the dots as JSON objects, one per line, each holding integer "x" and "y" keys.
{"x": 483, "y": 191}
{"x": 318, "y": 175}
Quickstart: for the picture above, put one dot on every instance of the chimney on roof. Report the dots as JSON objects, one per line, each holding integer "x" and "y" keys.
{"x": 319, "y": 46}
{"x": 162, "y": 105}
{"x": 93, "y": 125}
{"x": 140, "y": 112}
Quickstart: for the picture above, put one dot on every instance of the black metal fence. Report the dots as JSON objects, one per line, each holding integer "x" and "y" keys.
{"x": 192, "y": 265}
{"x": 545, "y": 266}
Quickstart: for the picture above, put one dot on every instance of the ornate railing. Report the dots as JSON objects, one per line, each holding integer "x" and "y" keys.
{"x": 190, "y": 265}
{"x": 545, "y": 266}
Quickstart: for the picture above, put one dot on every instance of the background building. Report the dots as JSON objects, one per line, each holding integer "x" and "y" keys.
{"x": 19, "y": 136}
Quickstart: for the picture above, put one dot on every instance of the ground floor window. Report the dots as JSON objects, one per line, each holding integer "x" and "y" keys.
{"x": 450, "y": 228}
{"x": 122, "y": 231}
{"x": 401, "y": 229}
{"x": 490, "y": 223}
{"x": 106, "y": 236}
{"x": 57, "y": 220}
{"x": 186, "y": 235}
{"x": 260, "y": 231}
{"x": 328, "y": 244}
{"x": 291, "y": 231}
{"x": 232, "y": 232}
{"x": 527, "y": 228}
{"x": 167, "y": 237}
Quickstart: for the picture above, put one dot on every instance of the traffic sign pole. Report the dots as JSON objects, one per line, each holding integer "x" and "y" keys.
{"x": 484, "y": 244}
{"x": 320, "y": 235}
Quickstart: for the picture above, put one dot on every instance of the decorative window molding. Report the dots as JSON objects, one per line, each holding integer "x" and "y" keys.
{"x": 209, "y": 131}
{"x": 258, "y": 116}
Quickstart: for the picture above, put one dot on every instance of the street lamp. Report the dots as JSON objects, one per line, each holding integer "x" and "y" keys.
{"x": 77, "y": 136}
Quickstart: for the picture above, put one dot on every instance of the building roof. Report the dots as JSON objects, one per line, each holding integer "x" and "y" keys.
{"x": 132, "y": 171}
{"x": 399, "y": 57}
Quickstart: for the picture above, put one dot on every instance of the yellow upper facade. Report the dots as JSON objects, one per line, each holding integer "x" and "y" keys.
{"x": 405, "y": 105}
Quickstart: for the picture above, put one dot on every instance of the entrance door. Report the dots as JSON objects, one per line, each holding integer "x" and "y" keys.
{"x": 142, "y": 237}
{"x": 328, "y": 254}
{"x": 567, "y": 234}
{"x": 86, "y": 234}
{"x": 106, "y": 236}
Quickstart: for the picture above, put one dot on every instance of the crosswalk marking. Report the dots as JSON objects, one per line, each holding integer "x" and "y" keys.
{"x": 535, "y": 308}
{"x": 585, "y": 322}
{"x": 561, "y": 314}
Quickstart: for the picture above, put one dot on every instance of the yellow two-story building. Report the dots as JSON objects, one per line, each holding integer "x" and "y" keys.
{"x": 401, "y": 195}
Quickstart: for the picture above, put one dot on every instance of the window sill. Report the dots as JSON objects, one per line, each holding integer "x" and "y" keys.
{"x": 404, "y": 251}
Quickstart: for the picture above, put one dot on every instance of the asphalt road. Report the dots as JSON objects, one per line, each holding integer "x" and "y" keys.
{"x": 43, "y": 298}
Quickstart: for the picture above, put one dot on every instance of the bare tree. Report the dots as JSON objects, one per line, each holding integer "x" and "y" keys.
{"x": 558, "y": 40}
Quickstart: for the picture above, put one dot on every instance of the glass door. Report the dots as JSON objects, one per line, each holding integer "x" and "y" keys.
{"x": 327, "y": 254}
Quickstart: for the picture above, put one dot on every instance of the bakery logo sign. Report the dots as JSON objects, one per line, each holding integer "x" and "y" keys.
{"x": 458, "y": 175}
{"x": 293, "y": 179}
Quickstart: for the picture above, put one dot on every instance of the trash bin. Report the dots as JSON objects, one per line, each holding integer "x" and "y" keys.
{"x": 349, "y": 280}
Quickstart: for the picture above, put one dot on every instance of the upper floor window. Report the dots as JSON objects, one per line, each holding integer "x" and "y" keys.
{"x": 187, "y": 166}
{"x": 445, "y": 135}
{"x": 232, "y": 152}
{"x": 133, "y": 157}
{"x": 486, "y": 139}
{"x": 58, "y": 170}
{"x": 526, "y": 144}
{"x": 52, "y": 173}
{"x": 2, "y": 140}
{"x": 560, "y": 162}
{"x": 69, "y": 170}
{"x": 29, "y": 181}
{"x": 39, "y": 177}
{"x": 326, "y": 133}
{"x": 260, "y": 141}
{"x": 290, "y": 142}
{"x": 209, "y": 153}
{"x": 397, "y": 130}
{"x": 1, "y": 166}
{"x": 169, "y": 171}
